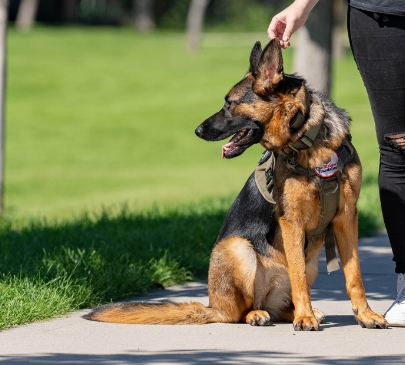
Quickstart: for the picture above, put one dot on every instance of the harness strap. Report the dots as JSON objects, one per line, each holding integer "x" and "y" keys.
{"x": 264, "y": 176}
{"x": 298, "y": 121}
{"x": 345, "y": 153}
{"x": 329, "y": 196}
{"x": 307, "y": 139}
{"x": 332, "y": 263}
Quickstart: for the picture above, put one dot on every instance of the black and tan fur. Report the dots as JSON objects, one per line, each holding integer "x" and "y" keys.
{"x": 258, "y": 270}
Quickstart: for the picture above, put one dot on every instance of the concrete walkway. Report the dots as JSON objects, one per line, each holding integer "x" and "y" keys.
{"x": 341, "y": 340}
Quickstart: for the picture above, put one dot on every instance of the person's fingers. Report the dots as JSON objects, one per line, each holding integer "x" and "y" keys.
{"x": 284, "y": 40}
{"x": 282, "y": 28}
{"x": 274, "y": 30}
{"x": 288, "y": 31}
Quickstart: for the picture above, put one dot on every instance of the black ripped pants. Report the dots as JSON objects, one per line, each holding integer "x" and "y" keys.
{"x": 378, "y": 47}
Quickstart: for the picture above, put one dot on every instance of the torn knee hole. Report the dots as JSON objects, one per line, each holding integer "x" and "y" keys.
{"x": 396, "y": 140}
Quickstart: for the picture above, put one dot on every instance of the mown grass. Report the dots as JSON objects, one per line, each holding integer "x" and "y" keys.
{"x": 100, "y": 117}
{"x": 104, "y": 115}
{"x": 27, "y": 299}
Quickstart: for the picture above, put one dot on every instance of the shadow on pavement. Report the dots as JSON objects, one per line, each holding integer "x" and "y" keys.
{"x": 377, "y": 269}
{"x": 197, "y": 357}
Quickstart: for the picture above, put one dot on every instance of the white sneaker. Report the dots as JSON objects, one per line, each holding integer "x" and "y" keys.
{"x": 395, "y": 315}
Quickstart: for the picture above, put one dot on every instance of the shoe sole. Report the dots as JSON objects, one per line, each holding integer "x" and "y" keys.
{"x": 396, "y": 324}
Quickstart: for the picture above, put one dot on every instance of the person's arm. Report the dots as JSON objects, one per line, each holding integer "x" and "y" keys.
{"x": 285, "y": 23}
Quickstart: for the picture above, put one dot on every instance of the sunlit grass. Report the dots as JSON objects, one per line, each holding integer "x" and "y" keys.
{"x": 104, "y": 115}
{"x": 28, "y": 299}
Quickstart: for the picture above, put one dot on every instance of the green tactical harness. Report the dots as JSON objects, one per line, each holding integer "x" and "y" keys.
{"x": 328, "y": 187}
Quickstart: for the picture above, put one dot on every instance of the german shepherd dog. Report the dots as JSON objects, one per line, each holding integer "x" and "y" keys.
{"x": 263, "y": 265}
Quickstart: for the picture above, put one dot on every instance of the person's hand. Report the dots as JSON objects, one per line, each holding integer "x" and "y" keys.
{"x": 285, "y": 23}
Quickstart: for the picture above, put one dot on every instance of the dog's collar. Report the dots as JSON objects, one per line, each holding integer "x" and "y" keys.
{"x": 307, "y": 139}
{"x": 299, "y": 119}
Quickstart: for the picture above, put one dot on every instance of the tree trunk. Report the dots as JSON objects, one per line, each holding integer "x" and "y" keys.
{"x": 3, "y": 33}
{"x": 69, "y": 11}
{"x": 143, "y": 15}
{"x": 195, "y": 19}
{"x": 312, "y": 54}
{"x": 26, "y": 14}
{"x": 339, "y": 28}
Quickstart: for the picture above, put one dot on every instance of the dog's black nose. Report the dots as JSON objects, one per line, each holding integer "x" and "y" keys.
{"x": 200, "y": 130}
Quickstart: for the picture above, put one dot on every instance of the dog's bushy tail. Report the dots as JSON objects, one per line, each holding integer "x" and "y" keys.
{"x": 153, "y": 313}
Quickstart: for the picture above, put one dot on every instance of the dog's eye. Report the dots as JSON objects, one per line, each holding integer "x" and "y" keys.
{"x": 226, "y": 108}
{"x": 227, "y": 104}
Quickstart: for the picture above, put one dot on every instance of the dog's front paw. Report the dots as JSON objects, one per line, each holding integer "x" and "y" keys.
{"x": 370, "y": 319}
{"x": 306, "y": 323}
{"x": 258, "y": 318}
{"x": 319, "y": 315}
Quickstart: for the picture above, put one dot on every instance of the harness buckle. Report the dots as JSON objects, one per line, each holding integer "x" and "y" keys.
{"x": 328, "y": 180}
{"x": 307, "y": 141}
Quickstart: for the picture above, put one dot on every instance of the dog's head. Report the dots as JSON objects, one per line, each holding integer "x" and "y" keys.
{"x": 260, "y": 107}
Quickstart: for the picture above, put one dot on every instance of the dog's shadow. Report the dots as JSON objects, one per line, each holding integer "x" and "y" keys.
{"x": 377, "y": 270}
{"x": 338, "y": 321}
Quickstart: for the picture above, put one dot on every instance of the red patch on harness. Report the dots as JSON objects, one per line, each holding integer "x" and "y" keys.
{"x": 329, "y": 169}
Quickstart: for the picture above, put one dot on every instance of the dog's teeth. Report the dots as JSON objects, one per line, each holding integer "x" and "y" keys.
{"x": 239, "y": 135}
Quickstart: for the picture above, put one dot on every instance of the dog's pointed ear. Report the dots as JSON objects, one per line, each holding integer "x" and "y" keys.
{"x": 270, "y": 68}
{"x": 255, "y": 58}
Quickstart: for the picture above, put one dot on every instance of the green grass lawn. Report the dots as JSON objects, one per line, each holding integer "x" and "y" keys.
{"x": 50, "y": 269}
{"x": 102, "y": 117}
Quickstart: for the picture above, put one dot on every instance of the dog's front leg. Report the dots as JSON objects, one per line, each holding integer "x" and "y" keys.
{"x": 293, "y": 239}
{"x": 345, "y": 230}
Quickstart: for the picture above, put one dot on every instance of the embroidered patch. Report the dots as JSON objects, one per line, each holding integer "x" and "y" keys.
{"x": 329, "y": 169}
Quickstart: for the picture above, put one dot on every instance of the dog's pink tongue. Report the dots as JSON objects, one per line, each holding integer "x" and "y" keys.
{"x": 225, "y": 148}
